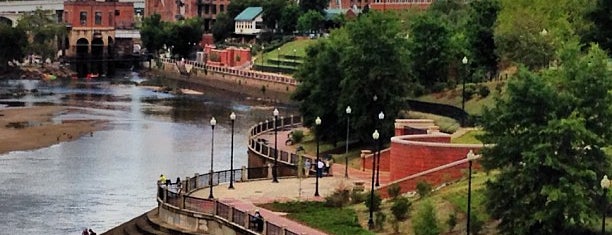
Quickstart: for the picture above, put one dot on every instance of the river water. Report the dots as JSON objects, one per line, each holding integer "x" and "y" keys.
{"x": 103, "y": 180}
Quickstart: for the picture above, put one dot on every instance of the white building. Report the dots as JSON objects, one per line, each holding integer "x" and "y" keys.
{"x": 249, "y": 21}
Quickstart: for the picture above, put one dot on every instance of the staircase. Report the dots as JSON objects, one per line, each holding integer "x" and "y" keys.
{"x": 147, "y": 224}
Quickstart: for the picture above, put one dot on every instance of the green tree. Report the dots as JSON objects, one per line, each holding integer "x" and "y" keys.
{"x": 425, "y": 221}
{"x": 430, "y": 49}
{"x": 223, "y": 27}
{"x": 289, "y": 18}
{"x": 12, "y": 44}
{"x": 314, "y": 5}
{"x": 481, "y": 22}
{"x": 43, "y": 32}
{"x": 183, "y": 35}
{"x": 602, "y": 32}
{"x": 310, "y": 21}
{"x": 549, "y": 133}
{"x": 152, "y": 33}
{"x": 272, "y": 12}
{"x": 400, "y": 209}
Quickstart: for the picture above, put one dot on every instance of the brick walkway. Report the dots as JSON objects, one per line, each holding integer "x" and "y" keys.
{"x": 247, "y": 194}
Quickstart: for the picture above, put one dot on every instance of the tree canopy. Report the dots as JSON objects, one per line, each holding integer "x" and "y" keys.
{"x": 12, "y": 44}
{"x": 43, "y": 32}
{"x": 364, "y": 59}
{"x": 182, "y": 36}
{"x": 549, "y": 133}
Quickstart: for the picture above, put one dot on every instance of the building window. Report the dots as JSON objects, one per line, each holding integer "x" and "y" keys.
{"x": 117, "y": 13}
{"x": 98, "y": 18}
{"x": 214, "y": 9}
{"x": 206, "y": 9}
{"x": 221, "y": 8}
{"x": 83, "y": 18}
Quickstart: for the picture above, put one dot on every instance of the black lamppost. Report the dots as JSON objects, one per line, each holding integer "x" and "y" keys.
{"x": 375, "y": 136}
{"x": 348, "y": 121}
{"x": 317, "y": 123}
{"x": 381, "y": 116}
{"x": 275, "y": 170}
{"x": 470, "y": 157}
{"x": 231, "y": 186}
{"x": 605, "y": 185}
{"x": 213, "y": 122}
{"x": 464, "y": 61}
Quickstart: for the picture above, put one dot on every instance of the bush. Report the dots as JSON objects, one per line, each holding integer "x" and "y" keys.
{"x": 451, "y": 221}
{"x": 394, "y": 190}
{"x": 375, "y": 204}
{"x": 423, "y": 188}
{"x": 483, "y": 91}
{"x": 425, "y": 221}
{"x": 399, "y": 210}
{"x": 438, "y": 87}
{"x": 379, "y": 220}
{"x": 358, "y": 197}
{"x": 337, "y": 199}
{"x": 470, "y": 90}
{"x": 476, "y": 224}
{"x": 297, "y": 136}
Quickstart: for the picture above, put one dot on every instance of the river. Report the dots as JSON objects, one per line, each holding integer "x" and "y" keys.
{"x": 103, "y": 180}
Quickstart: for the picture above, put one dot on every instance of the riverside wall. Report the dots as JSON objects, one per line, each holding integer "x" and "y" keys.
{"x": 260, "y": 85}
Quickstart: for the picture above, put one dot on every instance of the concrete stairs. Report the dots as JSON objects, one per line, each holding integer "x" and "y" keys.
{"x": 147, "y": 224}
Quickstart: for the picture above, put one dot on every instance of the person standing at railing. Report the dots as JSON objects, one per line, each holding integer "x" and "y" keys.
{"x": 257, "y": 221}
{"x": 162, "y": 179}
{"x": 307, "y": 166}
{"x": 320, "y": 167}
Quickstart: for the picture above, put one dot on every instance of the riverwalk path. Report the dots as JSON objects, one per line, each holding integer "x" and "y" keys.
{"x": 247, "y": 195}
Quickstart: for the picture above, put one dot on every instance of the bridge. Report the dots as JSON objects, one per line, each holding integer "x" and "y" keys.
{"x": 11, "y": 11}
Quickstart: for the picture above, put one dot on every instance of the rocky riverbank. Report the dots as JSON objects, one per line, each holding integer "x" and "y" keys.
{"x": 37, "y": 71}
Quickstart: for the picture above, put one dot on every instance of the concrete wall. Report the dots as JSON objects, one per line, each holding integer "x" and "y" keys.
{"x": 244, "y": 83}
{"x": 198, "y": 222}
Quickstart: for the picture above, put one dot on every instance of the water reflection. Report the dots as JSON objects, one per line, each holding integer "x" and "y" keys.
{"x": 103, "y": 180}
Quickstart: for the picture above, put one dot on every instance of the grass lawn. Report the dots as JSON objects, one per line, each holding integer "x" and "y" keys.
{"x": 468, "y": 138}
{"x": 341, "y": 221}
{"x": 446, "y": 124}
{"x": 474, "y": 106}
{"x": 287, "y": 49}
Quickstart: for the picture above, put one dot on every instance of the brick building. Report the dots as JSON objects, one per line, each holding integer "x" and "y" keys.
{"x": 93, "y": 27}
{"x": 382, "y": 5}
{"x": 172, "y": 10}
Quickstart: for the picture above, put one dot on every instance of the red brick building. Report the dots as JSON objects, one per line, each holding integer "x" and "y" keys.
{"x": 382, "y": 5}
{"x": 92, "y": 25}
{"x": 172, "y": 10}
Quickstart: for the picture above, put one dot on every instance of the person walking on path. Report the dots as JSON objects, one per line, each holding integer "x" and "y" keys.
{"x": 307, "y": 167}
{"x": 320, "y": 167}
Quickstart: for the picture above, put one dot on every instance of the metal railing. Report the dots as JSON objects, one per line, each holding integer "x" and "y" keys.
{"x": 236, "y": 72}
{"x": 211, "y": 207}
{"x": 261, "y": 146}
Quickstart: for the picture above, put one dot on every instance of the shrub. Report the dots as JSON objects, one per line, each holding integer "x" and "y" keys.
{"x": 483, "y": 91}
{"x": 425, "y": 221}
{"x": 399, "y": 209}
{"x": 297, "y": 136}
{"x": 451, "y": 221}
{"x": 375, "y": 203}
{"x": 358, "y": 197}
{"x": 423, "y": 188}
{"x": 379, "y": 220}
{"x": 338, "y": 198}
{"x": 476, "y": 224}
{"x": 394, "y": 190}
{"x": 438, "y": 87}
{"x": 470, "y": 90}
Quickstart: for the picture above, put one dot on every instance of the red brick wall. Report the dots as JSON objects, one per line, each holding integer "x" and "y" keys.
{"x": 414, "y": 154}
{"x": 384, "y": 160}
{"x": 124, "y": 19}
{"x": 229, "y": 57}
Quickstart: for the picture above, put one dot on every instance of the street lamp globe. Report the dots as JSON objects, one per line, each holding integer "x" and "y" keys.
{"x": 213, "y": 121}
{"x": 375, "y": 135}
{"x": 348, "y": 110}
{"x": 471, "y": 156}
{"x": 464, "y": 60}
{"x": 381, "y": 115}
{"x": 318, "y": 121}
{"x": 275, "y": 112}
{"x": 233, "y": 116}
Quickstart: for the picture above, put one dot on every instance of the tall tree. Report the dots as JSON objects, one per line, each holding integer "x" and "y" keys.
{"x": 12, "y": 44}
{"x": 310, "y": 21}
{"x": 601, "y": 16}
{"x": 223, "y": 27}
{"x": 44, "y": 32}
{"x": 549, "y": 133}
{"x": 481, "y": 22}
{"x": 316, "y": 5}
{"x": 184, "y": 35}
{"x": 272, "y": 12}
{"x": 430, "y": 49}
{"x": 152, "y": 33}
{"x": 289, "y": 17}
{"x": 364, "y": 59}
